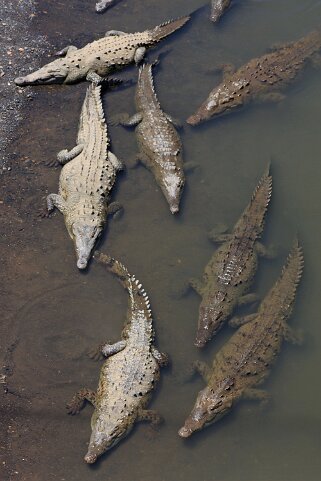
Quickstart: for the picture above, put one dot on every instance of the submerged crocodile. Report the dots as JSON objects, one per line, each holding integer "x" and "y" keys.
{"x": 160, "y": 147}
{"x": 102, "y": 5}
{"x": 86, "y": 179}
{"x": 261, "y": 78}
{"x": 229, "y": 273}
{"x": 114, "y": 51}
{"x": 218, "y": 8}
{"x": 244, "y": 361}
{"x": 127, "y": 377}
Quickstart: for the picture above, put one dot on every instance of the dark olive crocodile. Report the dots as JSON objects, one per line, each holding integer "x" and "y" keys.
{"x": 114, "y": 51}
{"x": 261, "y": 78}
{"x": 245, "y": 360}
{"x": 160, "y": 147}
{"x": 229, "y": 274}
{"x": 129, "y": 374}
{"x": 218, "y": 8}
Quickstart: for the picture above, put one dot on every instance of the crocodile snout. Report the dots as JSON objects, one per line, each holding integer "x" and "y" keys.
{"x": 184, "y": 432}
{"x": 90, "y": 458}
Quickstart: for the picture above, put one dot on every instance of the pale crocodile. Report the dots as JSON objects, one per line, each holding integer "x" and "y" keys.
{"x": 160, "y": 147}
{"x": 218, "y": 8}
{"x": 260, "y": 78}
{"x": 101, "y": 57}
{"x": 86, "y": 179}
{"x": 129, "y": 374}
{"x": 229, "y": 274}
{"x": 245, "y": 360}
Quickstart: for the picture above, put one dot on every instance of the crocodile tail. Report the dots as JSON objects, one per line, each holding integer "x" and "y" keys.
{"x": 165, "y": 29}
{"x": 253, "y": 216}
{"x": 114, "y": 266}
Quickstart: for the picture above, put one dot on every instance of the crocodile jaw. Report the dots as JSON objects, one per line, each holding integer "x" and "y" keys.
{"x": 85, "y": 237}
{"x": 55, "y": 72}
{"x": 210, "y": 320}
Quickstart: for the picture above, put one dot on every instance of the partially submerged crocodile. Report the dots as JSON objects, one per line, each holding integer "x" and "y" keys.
{"x": 261, "y": 78}
{"x": 99, "y": 58}
{"x": 229, "y": 274}
{"x": 160, "y": 147}
{"x": 129, "y": 374}
{"x": 218, "y": 8}
{"x": 86, "y": 179}
{"x": 102, "y": 5}
{"x": 245, "y": 360}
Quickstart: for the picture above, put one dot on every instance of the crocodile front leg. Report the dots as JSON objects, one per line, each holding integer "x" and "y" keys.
{"x": 78, "y": 401}
{"x": 239, "y": 321}
{"x": 266, "y": 252}
{"x": 203, "y": 369}
{"x": 292, "y": 336}
{"x": 160, "y": 357}
{"x": 66, "y": 51}
{"x": 248, "y": 299}
{"x": 197, "y": 285}
{"x": 177, "y": 123}
{"x": 55, "y": 200}
{"x": 114, "y": 33}
{"x": 114, "y": 208}
{"x": 118, "y": 165}
{"x": 65, "y": 156}
{"x": 151, "y": 416}
{"x": 256, "y": 395}
{"x": 139, "y": 55}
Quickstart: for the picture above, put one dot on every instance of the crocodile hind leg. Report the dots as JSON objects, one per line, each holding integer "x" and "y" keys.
{"x": 55, "y": 200}
{"x": 139, "y": 55}
{"x": 125, "y": 120}
{"x": 160, "y": 357}
{"x": 65, "y": 155}
{"x": 118, "y": 165}
{"x": 197, "y": 285}
{"x": 106, "y": 350}
{"x": 78, "y": 401}
{"x": 292, "y": 336}
{"x": 151, "y": 416}
{"x": 64, "y": 52}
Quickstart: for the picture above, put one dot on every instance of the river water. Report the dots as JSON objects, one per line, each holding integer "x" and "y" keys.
{"x": 53, "y": 313}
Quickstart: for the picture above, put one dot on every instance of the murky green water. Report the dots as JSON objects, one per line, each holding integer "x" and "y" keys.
{"x": 69, "y": 312}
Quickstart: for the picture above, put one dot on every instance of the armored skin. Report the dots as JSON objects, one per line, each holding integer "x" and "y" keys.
{"x": 261, "y": 78}
{"x": 115, "y": 51}
{"x": 218, "y": 8}
{"x": 129, "y": 374}
{"x": 245, "y": 360}
{"x": 229, "y": 274}
{"x": 86, "y": 179}
{"x": 160, "y": 147}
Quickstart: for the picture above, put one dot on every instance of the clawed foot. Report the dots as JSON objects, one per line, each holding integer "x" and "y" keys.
{"x": 96, "y": 353}
{"x": 44, "y": 213}
{"x": 52, "y": 163}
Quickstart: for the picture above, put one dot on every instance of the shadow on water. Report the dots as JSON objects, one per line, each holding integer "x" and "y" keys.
{"x": 66, "y": 313}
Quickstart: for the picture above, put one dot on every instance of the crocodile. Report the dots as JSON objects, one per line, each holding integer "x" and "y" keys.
{"x": 261, "y": 78}
{"x": 160, "y": 147}
{"x": 128, "y": 375}
{"x": 87, "y": 177}
{"x": 99, "y": 58}
{"x": 229, "y": 274}
{"x": 102, "y": 5}
{"x": 245, "y": 360}
{"x": 218, "y": 8}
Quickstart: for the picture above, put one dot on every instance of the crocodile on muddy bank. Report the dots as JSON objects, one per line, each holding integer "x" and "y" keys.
{"x": 160, "y": 147}
{"x": 245, "y": 360}
{"x": 261, "y": 78}
{"x": 129, "y": 374}
{"x": 101, "y": 57}
{"x": 86, "y": 179}
{"x": 230, "y": 272}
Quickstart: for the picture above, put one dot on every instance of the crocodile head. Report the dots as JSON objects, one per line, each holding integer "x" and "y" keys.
{"x": 209, "y": 407}
{"x": 85, "y": 236}
{"x": 54, "y": 72}
{"x": 171, "y": 181}
{"x": 222, "y": 98}
{"x": 211, "y": 317}
{"x": 104, "y": 437}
